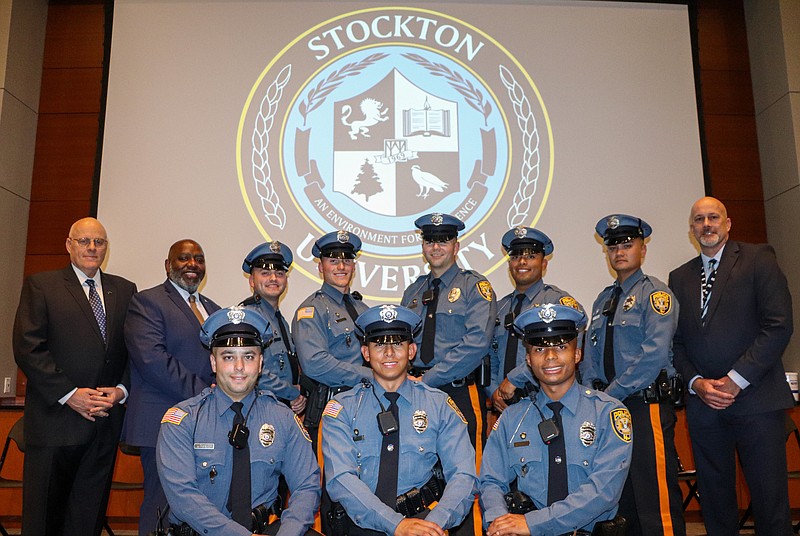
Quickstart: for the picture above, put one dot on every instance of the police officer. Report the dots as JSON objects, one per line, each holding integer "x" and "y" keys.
{"x": 221, "y": 478}
{"x": 567, "y": 449}
{"x": 268, "y": 265}
{"x": 386, "y": 472}
{"x": 629, "y": 354}
{"x": 458, "y": 308}
{"x": 527, "y": 251}
{"x": 324, "y": 326}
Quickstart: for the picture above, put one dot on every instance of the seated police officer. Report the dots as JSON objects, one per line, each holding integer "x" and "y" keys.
{"x": 398, "y": 459}
{"x": 565, "y": 451}
{"x": 220, "y": 454}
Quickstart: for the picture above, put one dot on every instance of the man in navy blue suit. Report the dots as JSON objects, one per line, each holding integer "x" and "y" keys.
{"x": 734, "y": 324}
{"x": 168, "y": 363}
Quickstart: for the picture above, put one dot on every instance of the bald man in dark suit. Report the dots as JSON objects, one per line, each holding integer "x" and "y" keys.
{"x": 68, "y": 341}
{"x": 735, "y": 322}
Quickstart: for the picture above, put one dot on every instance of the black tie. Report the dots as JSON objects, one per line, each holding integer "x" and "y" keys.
{"x": 287, "y": 344}
{"x": 511, "y": 340}
{"x": 429, "y": 329}
{"x": 386, "y": 490}
{"x": 608, "y": 349}
{"x": 97, "y": 308}
{"x": 350, "y": 306}
{"x": 239, "y": 502}
{"x": 706, "y": 285}
{"x": 557, "y": 487}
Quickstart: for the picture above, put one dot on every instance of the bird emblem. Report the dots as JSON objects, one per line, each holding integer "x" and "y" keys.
{"x": 427, "y": 182}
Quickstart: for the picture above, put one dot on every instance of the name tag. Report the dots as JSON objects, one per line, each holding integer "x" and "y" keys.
{"x": 204, "y": 446}
{"x": 521, "y": 443}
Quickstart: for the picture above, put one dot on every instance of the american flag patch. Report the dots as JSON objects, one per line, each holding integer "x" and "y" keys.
{"x": 305, "y": 312}
{"x": 174, "y": 416}
{"x": 332, "y": 409}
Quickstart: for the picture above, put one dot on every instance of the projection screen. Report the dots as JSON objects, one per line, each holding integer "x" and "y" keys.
{"x": 235, "y": 123}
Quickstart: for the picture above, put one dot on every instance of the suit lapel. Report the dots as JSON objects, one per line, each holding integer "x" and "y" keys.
{"x": 694, "y": 283}
{"x": 110, "y": 301}
{"x": 73, "y": 286}
{"x": 730, "y": 256}
{"x": 179, "y": 302}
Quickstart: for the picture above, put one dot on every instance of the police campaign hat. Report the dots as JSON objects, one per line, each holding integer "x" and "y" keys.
{"x": 268, "y": 256}
{"x": 337, "y": 245}
{"x": 619, "y": 228}
{"x": 526, "y": 240}
{"x": 388, "y": 324}
{"x": 549, "y": 324}
{"x": 437, "y": 227}
{"x": 235, "y": 326}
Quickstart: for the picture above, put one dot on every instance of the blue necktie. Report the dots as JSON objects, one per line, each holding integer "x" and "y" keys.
{"x": 97, "y": 308}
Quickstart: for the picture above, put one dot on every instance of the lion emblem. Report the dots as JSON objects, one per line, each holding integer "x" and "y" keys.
{"x": 374, "y": 113}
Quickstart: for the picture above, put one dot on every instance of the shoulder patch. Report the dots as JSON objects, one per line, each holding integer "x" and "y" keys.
{"x": 661, "y": 302}
{"x": 452, "y": 404}
{"x": 485, "y": 288}
{"x": 302, "y": 428}
{"x": 173, "y": 416}
{"x": 569, "y": 301}
{"x": 332, "y": 409}
{"x": 621, "y": 422}
{"x": 496, "y": 424}
{"x": 305, "y": 312}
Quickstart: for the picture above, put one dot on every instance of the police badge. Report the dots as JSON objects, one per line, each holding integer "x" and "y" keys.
{"x": 630, "y": 301}
{"x": 587, "y": 433}
{"x": 420, "y": 421}
{"x": 343, "y": 237}
{"x": 436, "y": 218}
{"x": 388, "y": 313}
{"x": 613, "y": 222}
{"x": 521, "y": 232}
{"x": 454, "y": 295}
{"x": 266, "y": 435}
{"x": 236, "y": 314}
{"x": 275, "y": 247}
{"x": 547, "y": 313}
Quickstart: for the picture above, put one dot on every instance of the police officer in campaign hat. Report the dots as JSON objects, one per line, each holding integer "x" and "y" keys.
{"x": 458, "y": 309}
{"x": 268, "y": 265}
{"x": 556, "y": 463}
{"x": 628, "y": 353}
{"x": 220, "y": 454}
{"x": 527, "y": 250}
{"x": 397, "y": 457}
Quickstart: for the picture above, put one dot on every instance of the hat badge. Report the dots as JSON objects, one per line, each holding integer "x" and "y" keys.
{"x": 547, "y": 313}
{"x": 388, "y": 313}
{"x": 520, "y": 232}
{"x": 343, "y": 237}
{"x": 236, "y": 315}
{"x": 613, "y": 222}
{"x": 275, "y": 247}
{"x": 437, "y": 218}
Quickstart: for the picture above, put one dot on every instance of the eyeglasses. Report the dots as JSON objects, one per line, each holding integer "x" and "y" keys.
{"x": 85, "y": 242}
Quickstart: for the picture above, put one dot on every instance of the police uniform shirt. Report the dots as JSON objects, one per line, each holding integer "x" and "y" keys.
{"x": 326, "y": 342}
{"x": 597, "y": 435}
{"x": 195, "y": 462}
{"x": 465, "y": 315}
{"x": 276, "y": 375}
{"x": 538, "y": 293}
{"x": 430, "y": 425}
{"x": 646, "y": 320}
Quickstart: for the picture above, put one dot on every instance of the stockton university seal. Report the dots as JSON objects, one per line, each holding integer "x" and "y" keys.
{"x": 374, "y": 117}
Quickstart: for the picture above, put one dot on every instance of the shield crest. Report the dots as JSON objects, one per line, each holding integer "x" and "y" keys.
{"x": 396, "y": 147}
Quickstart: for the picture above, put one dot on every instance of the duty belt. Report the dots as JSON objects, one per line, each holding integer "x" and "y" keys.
{"x": 416, "y": 500}
{"x": 469, "y": 379}
{"x": 260, "y": 518}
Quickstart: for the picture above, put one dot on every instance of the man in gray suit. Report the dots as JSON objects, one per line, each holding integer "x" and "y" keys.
{"x": 68, "y": 341}
{"x": 735, "y": 322}
{"x": 168, "y": 363}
